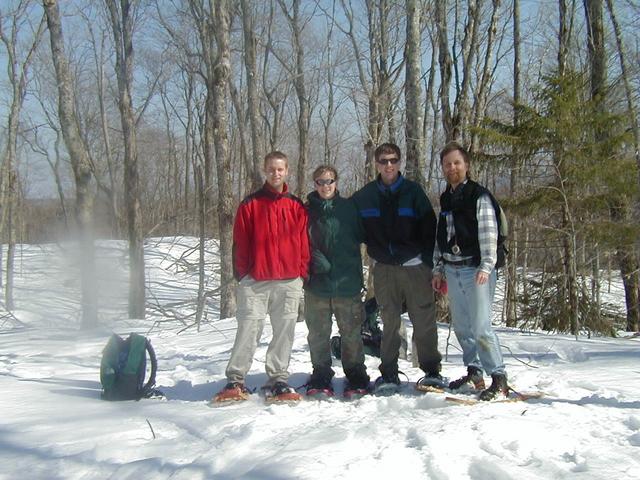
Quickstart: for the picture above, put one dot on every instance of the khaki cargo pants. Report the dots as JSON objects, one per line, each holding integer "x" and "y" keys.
{"x": 256, "y": 299}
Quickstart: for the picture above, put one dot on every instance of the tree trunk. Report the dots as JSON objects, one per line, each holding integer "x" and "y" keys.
{"x": 415, "y": 159}
{"x": 202, "y": 215}
{"x": 486, "y": 79}
{"x": 299, "y": 82}
{"x": 250, "y": 42}
{"x": 17, "y": 71}
{"x": 570, "y": 269}
{"x": 222, "y": 70}
{"x": 629, "y": 267}
{"x": 564, "y": 35}
{"x": 445, "y": 65}
{"x": 629, "y": 93}
{"x": 629, "y": 262}
{"x": 595, "y": 41}
{"x": 80, "y": 164}
{"x": 122, "y": 27}
{"x": 112, "y": 190}
{"x": 511, "y": 282}
{"x": 462, "y": 107}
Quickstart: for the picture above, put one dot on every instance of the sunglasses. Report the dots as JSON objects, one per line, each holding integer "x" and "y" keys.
{"x": 321, "y": 182}
{"x": 384, "y": 161}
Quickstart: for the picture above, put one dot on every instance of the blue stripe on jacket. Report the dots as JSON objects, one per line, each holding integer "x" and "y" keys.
{"x": 406, "y": 212}
{"x": 370, "y": 212}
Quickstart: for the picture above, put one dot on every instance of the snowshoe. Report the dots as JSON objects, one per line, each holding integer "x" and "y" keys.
{"x": 320, "y": 393}
{"x": 355, "y": 393}
{"x": 472, "y": 381}
{"x": 432, "y": 382}
{"x": 498, "y": 390}
{"x": 387, "y": 385}
{"x": 232, "y": 392}
{"x": 281, "y": 392}
{"x": 319, "y": 386}
{"x": 511, "y": 398}
{"x": 355, "y": 389}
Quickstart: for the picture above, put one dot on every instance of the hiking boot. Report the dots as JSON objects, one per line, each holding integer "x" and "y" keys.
{"x": 473, "y": 380}
{"x": 431, "y": 382}
{"x": 232, "y": 392}
{"x": 319, "y": 385}
{"x": 497, "y": 389}
{"x": 387, "y": 384}
{"x": 281, "y": 392}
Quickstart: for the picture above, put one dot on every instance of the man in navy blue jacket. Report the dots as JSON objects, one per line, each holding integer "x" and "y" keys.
{"x": 400, "y": 227}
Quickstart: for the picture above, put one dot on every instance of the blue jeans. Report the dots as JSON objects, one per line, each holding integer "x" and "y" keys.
{"x": 470, "y": 306}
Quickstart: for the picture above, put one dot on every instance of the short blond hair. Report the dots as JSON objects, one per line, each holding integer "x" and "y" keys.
{"x": 276, "y": 155}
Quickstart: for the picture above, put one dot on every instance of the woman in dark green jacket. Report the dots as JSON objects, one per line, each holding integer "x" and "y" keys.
{"x": 334, "y": 286}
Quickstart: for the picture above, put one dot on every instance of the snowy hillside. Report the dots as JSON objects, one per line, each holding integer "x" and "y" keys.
{"x": 53, "y": 424}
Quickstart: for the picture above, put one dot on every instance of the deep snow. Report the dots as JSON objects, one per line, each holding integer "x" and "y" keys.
{"x": 53, "y": 424}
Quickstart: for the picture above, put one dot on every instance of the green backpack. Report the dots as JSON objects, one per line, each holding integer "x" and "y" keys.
{"x": 123, "y": 368}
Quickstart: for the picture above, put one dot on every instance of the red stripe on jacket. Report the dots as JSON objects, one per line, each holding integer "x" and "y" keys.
{"x": 270, "y": 240}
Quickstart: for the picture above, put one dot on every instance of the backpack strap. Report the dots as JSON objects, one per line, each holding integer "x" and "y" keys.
{"x": 154, "y": 368}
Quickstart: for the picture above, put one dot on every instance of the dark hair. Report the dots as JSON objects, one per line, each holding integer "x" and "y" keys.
{"x": 387, "y": 148}
{"x": 276, "y": 155}
{"x": 452, "y": 147}
{"x": 323, "y": 169}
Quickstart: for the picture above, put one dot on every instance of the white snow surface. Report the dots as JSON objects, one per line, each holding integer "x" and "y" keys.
{"x": 53, "y": 424}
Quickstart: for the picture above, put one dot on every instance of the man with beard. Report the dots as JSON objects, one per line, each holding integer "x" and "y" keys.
{"x": 466, "y": 256}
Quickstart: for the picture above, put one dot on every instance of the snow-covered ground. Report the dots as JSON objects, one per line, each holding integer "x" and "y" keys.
{"x": 53, "y": 424}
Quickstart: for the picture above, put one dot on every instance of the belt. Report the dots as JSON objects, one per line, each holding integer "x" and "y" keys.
{"x": 469, "y": 262}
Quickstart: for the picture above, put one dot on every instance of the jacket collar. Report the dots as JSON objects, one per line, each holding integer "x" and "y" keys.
{"x": 314, "y": 199}
{"x": 393, "y": 188}
{"x": 270, "y": 192}
{"x": 458, "y": 188}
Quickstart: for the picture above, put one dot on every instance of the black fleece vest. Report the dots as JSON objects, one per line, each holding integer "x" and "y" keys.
{"x": 462, "y": 204}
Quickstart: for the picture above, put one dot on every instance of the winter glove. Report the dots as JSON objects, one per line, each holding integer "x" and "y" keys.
{"x": 319, "y": 263}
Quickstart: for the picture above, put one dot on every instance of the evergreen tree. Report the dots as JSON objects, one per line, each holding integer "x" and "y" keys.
{"x": 574, "y": 178}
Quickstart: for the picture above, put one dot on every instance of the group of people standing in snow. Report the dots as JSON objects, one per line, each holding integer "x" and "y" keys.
{"x": 283, "y": 248}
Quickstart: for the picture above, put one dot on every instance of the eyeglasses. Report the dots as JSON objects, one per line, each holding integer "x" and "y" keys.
{"x": 321, "y": 182}
{"x": 384, "y": 161}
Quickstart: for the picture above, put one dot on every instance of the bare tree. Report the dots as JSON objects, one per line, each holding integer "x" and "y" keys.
{"x": 275, "y": 90}
{"x": 377, "y": 79}
{"x": 621, "y": 210}
{"x": 98, "y": 36}
{"x": 511, "y": 282}
{"x": 564, "y": 35}
{"x": 17, "y": 69}
{"x": 628, "y": 89}
{"x": 220, "y": 84}
{"x": 456, "y": 121}
{"x": 39, "y": 145}
{"x": 415, "y": 159}
{"x": 122, "y": 15}
{"x": 445, "y": 64}
{"x": 481, "y": 93}
{"x": 250, "y": 63}
{"x": 213, "y": 21}
{"x": 80, "y": 163}
{"x": 300, "y": 85}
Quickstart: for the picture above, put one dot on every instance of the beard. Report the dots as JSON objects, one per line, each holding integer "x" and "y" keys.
{"x": 455, "y": 178}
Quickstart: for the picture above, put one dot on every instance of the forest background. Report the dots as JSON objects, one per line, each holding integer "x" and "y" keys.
{"x": 139, "y": 118}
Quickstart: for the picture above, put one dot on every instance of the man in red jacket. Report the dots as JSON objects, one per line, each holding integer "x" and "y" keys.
{"x": 270, "y": 261}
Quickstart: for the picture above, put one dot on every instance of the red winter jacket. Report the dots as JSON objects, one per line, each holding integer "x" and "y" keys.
{"x": 270, "y": 240}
